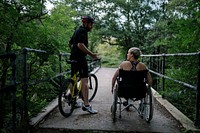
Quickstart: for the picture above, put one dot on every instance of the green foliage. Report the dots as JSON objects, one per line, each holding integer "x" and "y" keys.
{"x": 128, "y": 22}
{"x": 27, "y": 24}
{"x": 15, "y": 15}
{"x": 183, "y": 69}
{"x": 110, "y": 55}
{"x": 60, "y": 26}
{"x": 182, "y": 98}
{"x": 178, "y": 31}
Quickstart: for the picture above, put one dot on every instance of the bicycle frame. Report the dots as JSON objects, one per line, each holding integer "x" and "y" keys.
{"x": 70, "y": 92}
{"x": 77, "y": 84}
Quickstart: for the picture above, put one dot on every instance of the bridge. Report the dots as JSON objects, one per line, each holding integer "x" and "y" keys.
{"x": 166, "y": 117}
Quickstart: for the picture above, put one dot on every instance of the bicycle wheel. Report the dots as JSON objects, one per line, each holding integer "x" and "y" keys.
{"x": 148, "y": 106}
{"x": 114, "y": 105}
{"x": 92, "y": 85}
{"x": 65, "y": 100}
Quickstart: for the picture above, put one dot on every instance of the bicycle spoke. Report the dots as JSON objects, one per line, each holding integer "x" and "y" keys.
{"x": 65, "y": 100}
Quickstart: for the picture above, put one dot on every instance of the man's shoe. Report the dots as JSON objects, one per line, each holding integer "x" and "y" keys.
{"x": 89, "y": 109}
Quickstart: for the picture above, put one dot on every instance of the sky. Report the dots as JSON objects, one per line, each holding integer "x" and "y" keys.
{"x": 49, "y": 6}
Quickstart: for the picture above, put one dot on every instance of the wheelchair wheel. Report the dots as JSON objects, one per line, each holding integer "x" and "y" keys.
{"x": 92, "y": 85}
{"x": 148, "y": 106}
{"x": 65, "y": 101}
{"x": 114, "y": 105}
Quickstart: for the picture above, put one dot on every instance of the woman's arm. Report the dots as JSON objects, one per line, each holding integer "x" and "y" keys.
{"x": 149, "y": 79}
{"x": 142, "y": 66}
{"x": 114, "y": 79}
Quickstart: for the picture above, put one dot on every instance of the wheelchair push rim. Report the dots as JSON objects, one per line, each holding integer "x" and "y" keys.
{"x": 147, "y": 111}
{"x": 114, "y": 105}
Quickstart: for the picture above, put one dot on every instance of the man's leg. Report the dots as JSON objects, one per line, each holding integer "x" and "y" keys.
{"x": 84, "y": 90}
{"x": 83, "y": 71}
{"x": 86, "y": 106}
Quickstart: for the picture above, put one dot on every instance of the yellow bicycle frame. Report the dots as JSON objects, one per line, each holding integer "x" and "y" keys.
{"x": 77, "y": 84}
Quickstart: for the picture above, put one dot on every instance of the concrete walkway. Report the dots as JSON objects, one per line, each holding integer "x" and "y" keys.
{"x": 81, "y": 121}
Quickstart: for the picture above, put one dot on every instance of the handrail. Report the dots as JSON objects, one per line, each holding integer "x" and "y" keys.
{"x": 26, "y": 84}
{"x": 162, "y": 75}
{"x": 177, "y": 54}
{"x": 177, "y": 81}
{"x": 25, "y": 50}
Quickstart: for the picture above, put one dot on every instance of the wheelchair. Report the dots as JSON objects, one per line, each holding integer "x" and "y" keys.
{"x": 131, "y": 86}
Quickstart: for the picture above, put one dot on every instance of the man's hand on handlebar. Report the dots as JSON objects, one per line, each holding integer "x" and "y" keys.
{"x": 95, "y": 56}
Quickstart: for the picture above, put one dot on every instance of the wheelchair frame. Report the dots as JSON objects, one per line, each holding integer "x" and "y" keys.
{"x": 144, "y": 109}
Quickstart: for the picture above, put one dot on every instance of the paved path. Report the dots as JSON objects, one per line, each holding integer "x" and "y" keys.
{"x": 81, "y": 121}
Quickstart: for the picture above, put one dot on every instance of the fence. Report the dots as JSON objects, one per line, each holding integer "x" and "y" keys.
{"x": 31, "y": 80}
{"x": 7, "y": 63}
{"x": 158, "y": 64}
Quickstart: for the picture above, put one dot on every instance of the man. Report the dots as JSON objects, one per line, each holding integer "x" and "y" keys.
{"x": 79, "y": 50}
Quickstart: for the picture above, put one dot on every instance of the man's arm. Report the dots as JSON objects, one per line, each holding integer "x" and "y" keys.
{"x": 82, "y": 47}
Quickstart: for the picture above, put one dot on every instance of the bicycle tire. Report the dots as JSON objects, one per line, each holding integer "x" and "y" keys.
{"x": 92, "y": 86}
{"x": 65, "y": 100}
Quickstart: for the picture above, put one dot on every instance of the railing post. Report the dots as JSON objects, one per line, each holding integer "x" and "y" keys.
{"x": 158, "y": 70}
{"x": 197, "y": 120}
{"x": 163, "y": 73}
{"x": 25, "y": 87}
{"x": 14, "y": 91}
{"x": 8, "y": 89}
{"x": 60, "y": 78}
{"x": 150, "y": 63}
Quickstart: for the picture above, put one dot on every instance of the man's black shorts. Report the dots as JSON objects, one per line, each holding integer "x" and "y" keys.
{"x": 80, "y": 66}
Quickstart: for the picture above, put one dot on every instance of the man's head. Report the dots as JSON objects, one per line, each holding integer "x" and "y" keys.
{"x": 87, "y": 22}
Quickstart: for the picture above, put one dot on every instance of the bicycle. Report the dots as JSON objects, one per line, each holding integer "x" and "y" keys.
{"x": 71, "y": 91}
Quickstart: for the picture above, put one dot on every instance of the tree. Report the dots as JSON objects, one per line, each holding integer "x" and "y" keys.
{"x": 59, "y": 27}
{"x": 15, "y": 14}
{"x": 185, "y": 24}
{"x": 26, "y": 23}
{"x": 178, "y": 27}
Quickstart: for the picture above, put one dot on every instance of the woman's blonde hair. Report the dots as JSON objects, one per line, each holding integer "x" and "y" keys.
{"x": 136, "y": 52}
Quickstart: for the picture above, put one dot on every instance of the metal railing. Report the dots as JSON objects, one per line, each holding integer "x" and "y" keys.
{"x": 34, "y": 68}
{"x": 7, "y": 89}
{"x": 159, "y": 70}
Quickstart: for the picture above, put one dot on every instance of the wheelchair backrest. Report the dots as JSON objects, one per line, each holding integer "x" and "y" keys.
{"x": 132, "y": 84}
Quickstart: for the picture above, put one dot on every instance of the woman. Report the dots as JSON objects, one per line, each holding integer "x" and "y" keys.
{"x": 132, "y": 64}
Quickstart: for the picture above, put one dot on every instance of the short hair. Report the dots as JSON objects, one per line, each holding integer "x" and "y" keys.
{"x": 136, "y": 52}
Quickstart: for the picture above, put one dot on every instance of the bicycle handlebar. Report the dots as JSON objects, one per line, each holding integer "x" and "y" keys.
{"x": 97, "y": 59}
{"x": 74, "y": 61}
